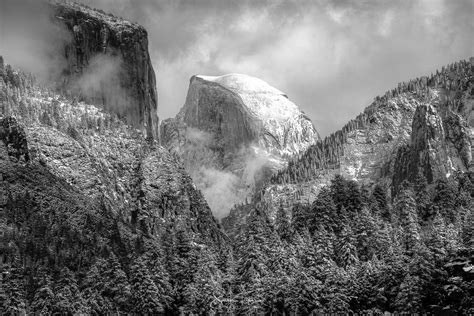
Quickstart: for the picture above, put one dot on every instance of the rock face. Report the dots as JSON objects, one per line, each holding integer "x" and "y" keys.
{"x": 439, "y": 146}
{"x": 238, "y": 124}
{"x": 107, "y": 62}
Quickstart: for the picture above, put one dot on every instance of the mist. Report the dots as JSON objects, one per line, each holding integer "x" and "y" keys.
{"x": 31, "y": 40}
{"x": 220, "y": 188}
{"x": 225, "y": 186}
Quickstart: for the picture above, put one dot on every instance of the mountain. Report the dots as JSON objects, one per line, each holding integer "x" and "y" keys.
{"x": 240, "y": 125}
{"x": 424, "y": 125}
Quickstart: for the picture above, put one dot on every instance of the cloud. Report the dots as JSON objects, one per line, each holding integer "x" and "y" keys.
{"x": 100, "y": 83}
{"x": 197, "y": 137}
{"x": 224, "y": 185}
{"x": 220, "y": 188}
{"x": 29, "y": 38}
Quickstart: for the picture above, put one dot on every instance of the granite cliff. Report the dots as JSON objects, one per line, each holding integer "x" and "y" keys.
{"x": 107, "y": 62}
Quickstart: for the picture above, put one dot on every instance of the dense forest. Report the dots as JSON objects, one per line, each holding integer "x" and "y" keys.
{"x": 351, "y": 250}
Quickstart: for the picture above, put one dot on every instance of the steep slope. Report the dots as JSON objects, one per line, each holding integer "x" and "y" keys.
{"x": 80, "y": 190}
{"x": 99, "y": 156}
{"x": 238, "y": 124}
{"x": 424, "y": 125}
{"x": 107, "y": 62}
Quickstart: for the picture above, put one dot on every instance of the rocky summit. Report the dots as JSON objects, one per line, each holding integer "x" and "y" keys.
{"x": 237, "y": 124}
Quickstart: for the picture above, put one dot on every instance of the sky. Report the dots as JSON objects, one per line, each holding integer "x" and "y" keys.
{"x": 330, "y": 57}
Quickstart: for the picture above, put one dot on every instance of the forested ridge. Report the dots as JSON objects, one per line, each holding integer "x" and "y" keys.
{"x": 455, "y": 80}
{"x": 349, "y": 251}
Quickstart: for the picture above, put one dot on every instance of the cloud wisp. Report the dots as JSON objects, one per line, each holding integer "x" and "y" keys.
{"x": 29, "y": 38}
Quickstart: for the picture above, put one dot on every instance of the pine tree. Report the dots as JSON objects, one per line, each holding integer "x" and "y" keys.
{"x": 324, "y": 213}
{"x": 334, "y": 296}
{"x": 205, "y": 294}
{"x": 44, "y": 296}
{"x": 365, "y": 195}
{"x": 365, "y": 291}
{"x": 93, "y": 287}
{"x": 160, "y": 277}
{"x": 467, "y": 232}
{"x": 304, "y": 251}
{"x": 353, "y": 202}
{"x": 252, "y": 247}
{"x": 303, "y": 295}
{"x": 436, "y": 241}
{"x": 116, "y": 286}
{"x": 409, "y": 297}
{"x": 382, "y": 239}
{"x": 445, "y": 199}
{"x": 181, "y": 260}
{"x": 338, "y": 190}
{"x": 229, "y": 284}
{"x": 323, "y": 245}
{"x": 364, "y": 232}
{"x": 14, "y": 287}
{"x": 380, "y": 202}
{"x": 346, "y": 251}
{"x": 68, "y": 298}
{"x": 283, "y": 226}
{"x": 299, "y": 217}
{"x": 427, "y": 266}
{"x": 145, "y": 294}
{"x": 422, "y": 197}
{"x": 405, "y": 206}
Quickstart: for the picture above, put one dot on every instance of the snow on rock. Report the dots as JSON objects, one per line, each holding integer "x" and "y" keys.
{"x": 238, "y": 124}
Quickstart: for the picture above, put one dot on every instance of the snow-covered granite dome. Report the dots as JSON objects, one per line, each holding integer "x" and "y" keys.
{"x": 238, "y": 124}
{"x": 269, "y": 117}
{"x": 265, "y": 101}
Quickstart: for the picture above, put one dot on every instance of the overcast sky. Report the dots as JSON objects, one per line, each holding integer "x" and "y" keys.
{"x": 330, "y": 57}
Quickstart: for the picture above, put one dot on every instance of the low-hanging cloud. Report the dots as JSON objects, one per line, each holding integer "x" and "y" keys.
{"x": 100, "y": 83}
{"x": 220, "y": 188}
{"x": 30, "y": 39}
{"x": 33, "y": 39}
{"x": 224, "y": 186}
